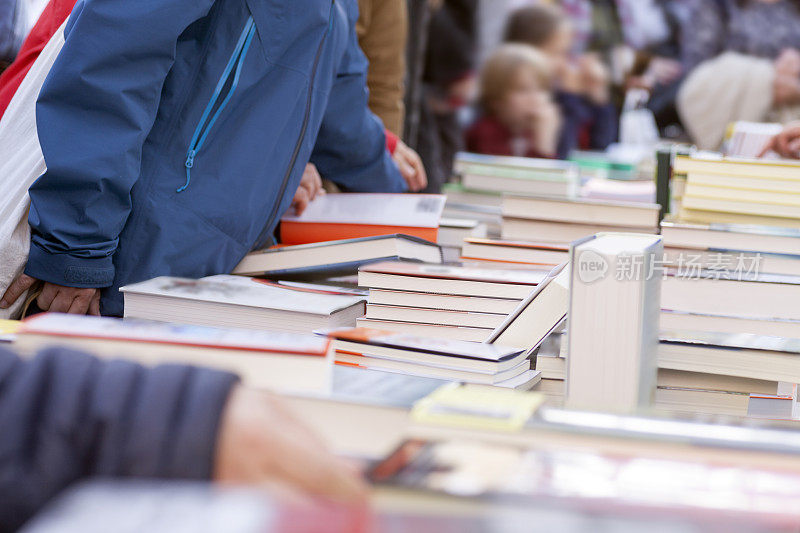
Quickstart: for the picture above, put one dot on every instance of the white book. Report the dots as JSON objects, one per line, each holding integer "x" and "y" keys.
{"x": 763, "y": 296}
{"x": 518, "y": 229}
{"x": 430, "y": 330}
{"x": 453, "y": 231}
{"x": 374, "y": 363}
{"x": 446, "y": 302}
{"x": 684, "y": 321}
{"x": 434, "y": 316}
{"x": 628, "y": 214}
{"x": 289, "y": 362}
{"x": 739, "y": 355}
{"x": 732, "y": 237}
{"x": 613, "y": 325}
{"x": 454, "y": 280}
{"x": 234, "y": 301}
{"x": 539, "y": 315}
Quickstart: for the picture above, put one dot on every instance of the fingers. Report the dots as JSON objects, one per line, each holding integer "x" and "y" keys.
{"x": 419, "y": 171}
{"x": 81, "y": 302}
{"x": 47, "y": 296}
{"x": 15, "y": 290}
{"x": 411, "y": 168}
{"x": 794, "y": 148}
{"x": 301, "y": 201}
{"x": 62, "y": 302}
{"x": 767, "y": 148}
{"x": 782, "y": 144}
{"x": 94, "y": 306}
{"x": 58, "y": 299}
{"x": 316, "y": 181}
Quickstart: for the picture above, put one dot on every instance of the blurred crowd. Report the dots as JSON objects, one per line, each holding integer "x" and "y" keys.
{"x": 543, "y": 78}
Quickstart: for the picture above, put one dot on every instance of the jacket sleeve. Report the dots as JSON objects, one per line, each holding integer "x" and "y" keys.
{"x": 350, "y": 148}
{"x": 66, "y": 416}
{"x": 382, "y": 34}
{"x": 94, "y": 113}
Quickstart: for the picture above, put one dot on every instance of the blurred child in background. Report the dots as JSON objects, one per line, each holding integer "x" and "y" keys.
{"x": 581, "y": 84}
{"x": 519, "y": 116}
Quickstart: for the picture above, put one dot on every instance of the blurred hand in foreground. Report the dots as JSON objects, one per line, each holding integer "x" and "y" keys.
{"x": 261, "y": 442}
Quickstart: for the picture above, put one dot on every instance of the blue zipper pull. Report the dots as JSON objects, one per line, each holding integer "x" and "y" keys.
{"x": 189, "y": 164}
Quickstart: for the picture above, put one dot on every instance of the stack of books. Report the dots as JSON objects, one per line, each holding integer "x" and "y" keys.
{"x": 519, "y": 175}
{"x": 739, "y": 191}
{"x": 239, "y": 302}
{"x": 543, "y": 219}
{"x": 487, "y": 364}
{"x": 443, "y": 301}
{"x": 677, "y": 391}
{"x": 760, "y": 258}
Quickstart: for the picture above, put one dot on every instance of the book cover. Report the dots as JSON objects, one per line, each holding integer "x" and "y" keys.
{"x": 240, "y": 291}
{"x": 519, "y": 277}
{"x": 135, "y": 330}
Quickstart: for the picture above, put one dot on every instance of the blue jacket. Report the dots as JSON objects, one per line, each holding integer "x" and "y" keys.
{"x": 66, "y": 416}
{"x": 175, "y": 134}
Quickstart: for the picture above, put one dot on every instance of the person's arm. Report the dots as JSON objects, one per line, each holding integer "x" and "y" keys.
{"x": 350, "y": 148}
{"x": 605, "y": 126}
{"x": 66, "y": 416}
{"x": 382, "y": 34}
{"x": 93, "y": 115}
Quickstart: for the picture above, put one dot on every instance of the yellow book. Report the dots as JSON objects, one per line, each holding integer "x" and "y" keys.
{"x": 701, "y": 216}
{"x": 742, "y": 207}
{"x": 755, "y": 183}
{"x": 782, "y": 169}
{"x": 748, "y": 197}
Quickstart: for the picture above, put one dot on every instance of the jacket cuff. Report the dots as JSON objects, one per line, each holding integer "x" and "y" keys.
{"x": 70, "y": 271}
{"x": 391, "y": 141}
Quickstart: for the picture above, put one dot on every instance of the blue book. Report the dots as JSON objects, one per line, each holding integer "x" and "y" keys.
{"x": 336, "y": 258}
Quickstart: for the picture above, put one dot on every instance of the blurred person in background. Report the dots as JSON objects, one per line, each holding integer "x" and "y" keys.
{"x": 640, "y": 41}
{"x": 744, "y": 61}
{"x": 67, "y": 416}
{"x": 582, "y": 85}
{"x": 51, "y": 18}
{"x": 13, "y": 27}
{"x": 448, "y": 86}
{"x": 518, "y": 115}
{"x": 760, "y": 28}
{"x": 382, "y": 30}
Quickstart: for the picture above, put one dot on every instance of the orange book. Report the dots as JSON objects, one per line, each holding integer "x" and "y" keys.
{"x": 356, "y": 215}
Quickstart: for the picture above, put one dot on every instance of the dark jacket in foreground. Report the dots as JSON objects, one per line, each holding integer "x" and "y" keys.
{"x": 66, "y": 416}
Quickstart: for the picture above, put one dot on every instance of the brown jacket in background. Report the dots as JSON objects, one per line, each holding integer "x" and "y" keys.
{"x": 382, "y": 33}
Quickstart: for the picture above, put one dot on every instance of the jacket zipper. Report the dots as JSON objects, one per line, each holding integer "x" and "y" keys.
{"x": 231, "y": 74}
{"x": 260, "y": 242}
